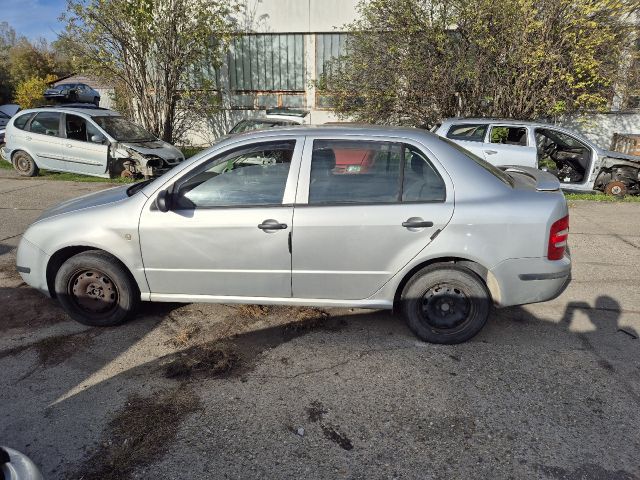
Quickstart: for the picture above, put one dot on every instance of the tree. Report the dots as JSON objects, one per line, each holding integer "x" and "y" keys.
{"x": 416, "y": 61}
{"x": 160, "y": 54}
{"x": 29, "y": 93}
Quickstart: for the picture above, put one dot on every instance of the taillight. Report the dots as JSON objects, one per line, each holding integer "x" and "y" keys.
{"x": 558, "y": 238}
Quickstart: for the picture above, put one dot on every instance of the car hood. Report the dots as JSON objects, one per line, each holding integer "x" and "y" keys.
{"x": 622, "y": 156}
{"x": 95, "y": 199}
{"x": 154, "y": 147}
{"x": 9, "y": 109}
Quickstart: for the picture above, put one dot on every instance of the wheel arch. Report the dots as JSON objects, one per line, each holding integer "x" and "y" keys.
{"x": 480, "y": 270}
{"x": 58, "y": 258}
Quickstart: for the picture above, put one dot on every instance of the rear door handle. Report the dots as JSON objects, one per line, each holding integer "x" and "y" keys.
{"x": 27, "y": 138}
{"x": 490, "y": 152}
{"x": 416, "y": 224}
{"x": 272, "y": 225}
{"x": 68, "y": 145}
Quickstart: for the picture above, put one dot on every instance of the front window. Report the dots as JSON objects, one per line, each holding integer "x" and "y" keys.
{"x": 123, "y": 130}
{"x": 254, "y": 175}
{"x": 77, "y": 128}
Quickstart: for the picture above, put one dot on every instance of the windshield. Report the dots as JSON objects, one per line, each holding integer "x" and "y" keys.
{"x": 123, "y": 130}
{"x": 247, "y": 125}
{"x": 64, "y": 86}
{"x": 483, "y": 163}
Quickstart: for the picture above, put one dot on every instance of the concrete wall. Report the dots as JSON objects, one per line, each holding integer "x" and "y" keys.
{"x": 296, "y": 16}
{"x": 599, "y": 128}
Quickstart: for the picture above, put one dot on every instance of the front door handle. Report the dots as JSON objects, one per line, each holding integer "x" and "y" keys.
{"x": 27, "y": 138}
{"x": 490, "y": 152}
{"x": 68, "y": 145}
{"x": 272, "y": 225}
{"x": 416, "y": 223}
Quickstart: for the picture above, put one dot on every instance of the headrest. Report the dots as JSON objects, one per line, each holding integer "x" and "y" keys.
{"x": 324, "y": 159}
{"x": 417, "y": 165}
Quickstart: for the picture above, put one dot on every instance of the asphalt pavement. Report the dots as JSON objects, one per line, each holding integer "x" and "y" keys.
{"x": 549, "y": 391}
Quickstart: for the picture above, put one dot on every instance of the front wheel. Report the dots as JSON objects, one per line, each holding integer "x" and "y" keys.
{"x": 25, "y": 165}
{"x": 96, "y": 101}
{"x": 96, "y": 289}
{"x": 445, "y": 304}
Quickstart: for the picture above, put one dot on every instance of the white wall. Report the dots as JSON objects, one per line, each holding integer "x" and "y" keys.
{"x": 599, "y": 128}
{"x": 294, "y": 16}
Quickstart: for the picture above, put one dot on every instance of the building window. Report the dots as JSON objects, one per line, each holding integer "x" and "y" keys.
{"x": 269, "y": 62}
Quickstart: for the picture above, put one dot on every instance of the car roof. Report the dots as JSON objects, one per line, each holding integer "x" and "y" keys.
{"x": 362, "y": 129}
{"x": 88, "y": 111}
{"x": 510, "y": 121}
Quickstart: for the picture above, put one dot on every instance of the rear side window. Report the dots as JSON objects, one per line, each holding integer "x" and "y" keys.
{"x": 46, "y": 123}
{"x": 347, "y": 171}
{"x": 363, "y": 172}
{"x": 469, "y": 132}
{"x": 509, "y": 135}
{"x": 421, "y": 182}
{"x": 22, "y": 120}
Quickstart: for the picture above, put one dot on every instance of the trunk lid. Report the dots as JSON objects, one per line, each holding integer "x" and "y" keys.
{"x": 533, "y": 178}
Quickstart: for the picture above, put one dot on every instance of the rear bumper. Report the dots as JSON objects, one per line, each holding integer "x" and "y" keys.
{"x": 529, "y": 280}
{"x": 5, "y": 154}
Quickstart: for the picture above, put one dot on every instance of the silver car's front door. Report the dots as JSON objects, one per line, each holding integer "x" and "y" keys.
{"x": 80, "y": 153}
{"x": 227, "y": 233}
{"x": 353, "y": 228}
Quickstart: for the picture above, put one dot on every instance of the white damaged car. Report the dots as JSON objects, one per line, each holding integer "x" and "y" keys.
{"x": 89, "y": 141}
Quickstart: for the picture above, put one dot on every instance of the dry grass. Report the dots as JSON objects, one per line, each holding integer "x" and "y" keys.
{"x": 183, "y": 335}
{"x": 209, "y": 360}
{"x": 139, "y": 434}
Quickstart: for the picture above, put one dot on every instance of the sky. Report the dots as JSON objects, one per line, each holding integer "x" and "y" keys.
{"x": 33, "y": 18}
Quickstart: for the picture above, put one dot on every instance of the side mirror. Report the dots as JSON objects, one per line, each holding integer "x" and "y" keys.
{"x": 97, "y": 138}
{"x": 163, "y": 201}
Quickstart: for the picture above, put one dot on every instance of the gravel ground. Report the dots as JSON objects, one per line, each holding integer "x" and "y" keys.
{"x": 547, "y": 391}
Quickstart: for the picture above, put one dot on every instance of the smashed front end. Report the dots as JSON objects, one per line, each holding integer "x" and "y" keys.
{"x": 619, "y": 174}
{"x": 143, "y": 159}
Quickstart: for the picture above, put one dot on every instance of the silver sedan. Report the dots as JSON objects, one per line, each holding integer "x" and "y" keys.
{"x": 370, "y": 217}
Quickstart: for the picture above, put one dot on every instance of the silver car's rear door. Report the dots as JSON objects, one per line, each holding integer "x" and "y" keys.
{"x": 351, "y": 232}
{"x": 510, "y": 145}
{"x": 44, "y": 140}
{"x": 228, "y": 231}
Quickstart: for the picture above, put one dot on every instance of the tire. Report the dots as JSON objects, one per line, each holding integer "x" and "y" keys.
{"x": 96, "y": 101}
{"x": 25, "y": 165}
{"x": 96, "y": 289}
{"x": 445, "y": 304}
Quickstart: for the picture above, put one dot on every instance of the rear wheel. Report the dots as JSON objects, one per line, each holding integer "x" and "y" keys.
{"x": 96, "y": 289}
{"x": 96, "y": 101}
{"x": 445, "y": 304}
{"x": 25, "y": 165}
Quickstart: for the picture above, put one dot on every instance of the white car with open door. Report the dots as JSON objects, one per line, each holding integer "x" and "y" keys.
{"x": 578, "y": 163}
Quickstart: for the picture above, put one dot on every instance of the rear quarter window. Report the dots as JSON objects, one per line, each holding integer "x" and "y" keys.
{"x": 468, "y": 131}
{"x": 22, "y": 120}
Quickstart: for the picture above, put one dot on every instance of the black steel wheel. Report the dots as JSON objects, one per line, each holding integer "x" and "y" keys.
{"x": 25, "y": 165}
{"x": 96, "y": 289}
{"x": 445, "y": 304}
